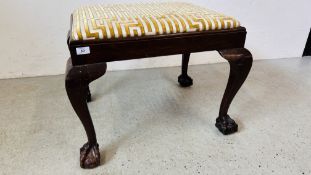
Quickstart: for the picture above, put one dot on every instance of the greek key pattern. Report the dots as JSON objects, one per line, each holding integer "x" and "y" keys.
{"x": 96, "y": 22}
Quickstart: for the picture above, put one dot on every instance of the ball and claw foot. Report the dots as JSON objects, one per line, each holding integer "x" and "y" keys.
{"x": 226, "y": 125}
{"x": 185, "y": 80}
{"x": 88, "y": 96}
{"x": 89, "y": 156}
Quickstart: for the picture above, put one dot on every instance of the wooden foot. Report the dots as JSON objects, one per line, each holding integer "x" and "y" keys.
{"x": 184, "y": 80}
{"x": 240, "y": 61}
{"x": 89, "y": 156}
{"x": 77, "y": 81}
{"x": 226, "y": 125}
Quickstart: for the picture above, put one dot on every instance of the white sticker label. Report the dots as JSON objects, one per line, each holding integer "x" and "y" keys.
{"x": 83, "y": 50}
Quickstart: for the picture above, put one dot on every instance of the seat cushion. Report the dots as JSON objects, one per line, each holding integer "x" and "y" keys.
{"x": 118, "y": 21}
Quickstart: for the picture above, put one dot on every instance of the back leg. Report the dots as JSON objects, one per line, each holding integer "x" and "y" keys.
{"x": 88, "y": 94}
{"x": 184, "y": 80}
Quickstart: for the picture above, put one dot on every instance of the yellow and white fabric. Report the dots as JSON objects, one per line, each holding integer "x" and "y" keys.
{"x": 95, "y": 22}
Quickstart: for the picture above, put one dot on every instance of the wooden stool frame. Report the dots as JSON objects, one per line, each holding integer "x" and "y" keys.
{"x": 83, "y": 69}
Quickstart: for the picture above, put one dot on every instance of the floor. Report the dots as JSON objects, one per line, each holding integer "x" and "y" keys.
{"x": 146, "y": 124}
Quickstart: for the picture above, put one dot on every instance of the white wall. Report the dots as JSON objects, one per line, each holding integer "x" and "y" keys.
{"x": 33, "y": 33}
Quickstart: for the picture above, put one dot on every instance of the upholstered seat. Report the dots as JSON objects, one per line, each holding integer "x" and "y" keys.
{"x": 102, "y": 22}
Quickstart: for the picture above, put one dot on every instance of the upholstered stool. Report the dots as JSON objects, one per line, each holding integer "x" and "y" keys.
{"x": 104, "y": 33}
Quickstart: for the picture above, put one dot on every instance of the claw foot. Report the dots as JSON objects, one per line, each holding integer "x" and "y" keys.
{"x": 226, "y": 125}
{"x": 185, "y": 81}
{"x": 89, "y": 156}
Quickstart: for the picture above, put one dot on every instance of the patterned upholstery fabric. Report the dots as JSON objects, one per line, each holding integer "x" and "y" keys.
{"x": 95, "y": 22}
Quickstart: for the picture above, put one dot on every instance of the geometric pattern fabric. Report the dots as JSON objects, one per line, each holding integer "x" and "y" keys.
{"x": 117, "y": 21}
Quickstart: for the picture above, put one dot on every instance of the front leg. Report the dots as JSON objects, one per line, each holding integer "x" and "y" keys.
{"x": 240, "y": 60}
{"x": 77, "y": 81}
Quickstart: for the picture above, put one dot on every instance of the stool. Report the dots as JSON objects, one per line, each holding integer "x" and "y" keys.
{"x": 104, "y": 33}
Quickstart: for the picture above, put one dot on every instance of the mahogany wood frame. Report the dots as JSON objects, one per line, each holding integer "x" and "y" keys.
{"x": 83, "y": 69}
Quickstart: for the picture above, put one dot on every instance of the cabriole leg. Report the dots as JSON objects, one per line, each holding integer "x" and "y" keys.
{"x": 240, "y": 61}
{"x": 77, "y": 81}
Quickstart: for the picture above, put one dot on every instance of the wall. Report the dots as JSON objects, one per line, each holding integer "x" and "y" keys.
{"x": 33, "y": 34}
